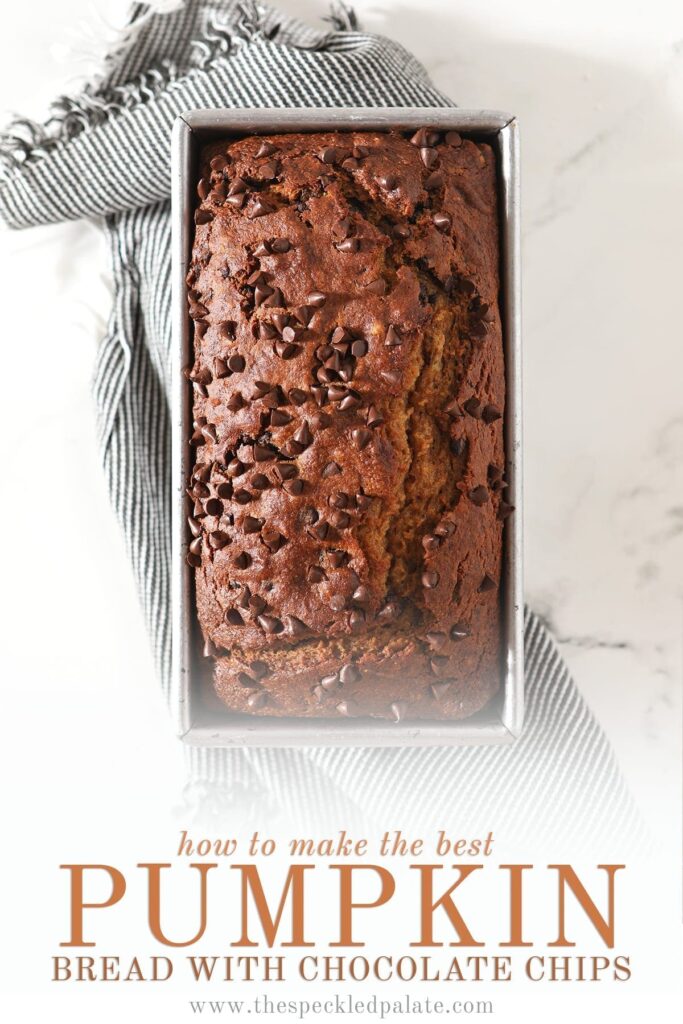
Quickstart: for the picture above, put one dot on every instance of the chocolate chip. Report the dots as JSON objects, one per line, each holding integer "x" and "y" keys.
{"x": 285, "y": 471}
{"x": 429, "y": 156}
{"x": 268, "y": 171}
{"x": 237, "y": 186}
{"x": 210, "y": 649}
{"x": 340, "y": 520}
{"x": 458, "y": 445}
{"x": 320, "y": 530}
{"x": 359, "y": 348}
{"x": 233, "y": 617}
{"x": 214, "y": 507}
{"x": 260, "y": 482}
{"x": 349, "y": 245}
{"x": 262, "y": 249}
{"x": 266, "y": 149}
{"x": 303, "y": 314}
{"x": 315, "y": 574}
{"x": 479, "y": 495}
{"x": 361, "y": 594}
{"x": 295, "y": 626}
{"x": 235, "y": 402}
{"x": 329, "y": 155}
{"x": 293, "y": 487}
{"x": 487, "y": 584}
{"x": 280, "y": 245}
{"x": 331, "y": 469}
{"x": 444, "y": 528}
{"x": 330, "y": 681}
{"x": 505, "y": 510}
{"x": 235, "y": 468}
{"x": 438, "y": 663}
{"x": 270, "y": 623}
{"x": 398, "y": 710}
{"x": 363, "y": 501}
{"x": 236, "y": 200}
{"x": 203, "y": 188}
{"x": 316, "y": 299}
{"x": 350, "y": 401}
{"x": 430, "y": 580}
{"x": 242, "y": 497}
{"x": 338, "y": 499}
{"x": 490, "y": 413}
{"x": 194, "y": 560}
{"x": 436, "y": 640}
{"x": 459, "y": 631}
{"x": 392, "y": 377}
{"x": 337, "y": 602}
{"x": 272, "y": 539}
{"x": 274, "y": 299}
{"x": 262, "y": 454}
{"x": 356, "y": 618}
{"x": 392, "y": 338}
{"x": 250, "y": 524}
{"x": 345, "y": 708}
{"x": 303, "y": 435}
{"x": 361, "y": 437}
{"x": 261, "y": 388}
{"x": 220, "y": 369}
{"x": 442, "y": 222}
{"x": 453, "y": 139}
{"x": 195, "y": 527}
{"x": 389, "y": 612}
{"x": 242, "y": 560}
{"x": 473, "y": 407}
{"x": 439, "y": 690}
{"x": 261, "y": 208}
{"x": 401, "y": 231}
{"x": 360, "y": 152}
{"x": 320, "y": 420}
{"x": 218, "y": 540}
{"x": 375, "y": 418}
{"x": 244, "y": 679}
{"x": 349, "y": 674}
{"x": 388, "y": 181}
{"x": 433, "y": 181}
{"x": 203, "y": 216}
{"x": 209, "y": 432}
{"x": 420, "y": 138}
{"x": 236, "y": 363}
{"x": 218, "y": 163}
{"x": 285, "y": 349}
{"x": 196, "y": 546}
{"x": 257, "y": 700}
{"x": 377, "y": 287}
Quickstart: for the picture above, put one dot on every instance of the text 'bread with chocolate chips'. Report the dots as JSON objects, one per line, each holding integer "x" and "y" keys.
{"x": 347, "y": 496}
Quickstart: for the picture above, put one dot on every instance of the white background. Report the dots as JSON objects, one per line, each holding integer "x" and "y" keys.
{"x": 598, "y": 88}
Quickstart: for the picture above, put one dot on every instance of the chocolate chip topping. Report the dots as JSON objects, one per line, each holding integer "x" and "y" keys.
{"x": 479, "y": 495}
{"x": 487, "y": 584}
{"x": 430, "y": 580}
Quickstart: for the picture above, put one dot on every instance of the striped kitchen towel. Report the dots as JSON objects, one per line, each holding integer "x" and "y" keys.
{"x": 105, "y": 153}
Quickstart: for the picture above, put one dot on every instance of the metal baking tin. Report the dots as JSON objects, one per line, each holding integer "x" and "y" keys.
{"x": 198, "y": 724}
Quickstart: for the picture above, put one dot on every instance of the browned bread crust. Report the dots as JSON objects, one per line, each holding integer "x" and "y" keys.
{"x": 349, "y": 389}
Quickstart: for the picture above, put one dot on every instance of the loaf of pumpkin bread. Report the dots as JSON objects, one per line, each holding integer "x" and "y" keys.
{"x": 346, "y": 500}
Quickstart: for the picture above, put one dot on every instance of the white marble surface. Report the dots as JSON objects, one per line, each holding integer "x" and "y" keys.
{"x": 598, "y": 88}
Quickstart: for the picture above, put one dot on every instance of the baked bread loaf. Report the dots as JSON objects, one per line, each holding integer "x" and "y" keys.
{"x": 346, "y": 497}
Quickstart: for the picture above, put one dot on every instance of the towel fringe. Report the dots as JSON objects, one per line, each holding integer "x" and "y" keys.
{"x": 25, "y": 141}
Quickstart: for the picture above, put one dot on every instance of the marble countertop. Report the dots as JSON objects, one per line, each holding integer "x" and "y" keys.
{"x": 598, "y": 89}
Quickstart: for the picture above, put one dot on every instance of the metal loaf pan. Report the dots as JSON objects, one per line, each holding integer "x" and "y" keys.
{"x": 197, "y": 722}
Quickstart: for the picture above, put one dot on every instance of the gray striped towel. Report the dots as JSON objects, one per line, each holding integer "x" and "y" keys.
{"x": 106, "y": 153}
